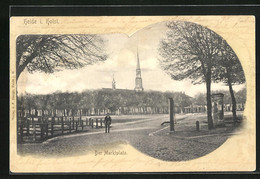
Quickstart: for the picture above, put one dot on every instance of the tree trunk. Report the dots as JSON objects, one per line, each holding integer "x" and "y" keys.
{"x": 209, "y": 105}
{"x": 234, "y": 103}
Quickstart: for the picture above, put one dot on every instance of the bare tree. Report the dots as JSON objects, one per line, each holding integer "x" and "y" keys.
{"x": 228, "y": 69}
{"x": 49, "y": 53}
{"x": 188, "y": 51}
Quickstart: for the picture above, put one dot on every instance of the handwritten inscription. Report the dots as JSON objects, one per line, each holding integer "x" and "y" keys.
{"x": 110, "y": 152}
{"x": 33, "y": 21}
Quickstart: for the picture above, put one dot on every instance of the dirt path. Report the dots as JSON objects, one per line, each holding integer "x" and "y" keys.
{"x": 145, "y": 134}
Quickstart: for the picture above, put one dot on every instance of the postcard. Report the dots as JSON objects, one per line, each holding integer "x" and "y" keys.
{"x": 132, "y": 94}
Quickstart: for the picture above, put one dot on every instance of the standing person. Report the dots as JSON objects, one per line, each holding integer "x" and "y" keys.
{"x": 107, "y": 122}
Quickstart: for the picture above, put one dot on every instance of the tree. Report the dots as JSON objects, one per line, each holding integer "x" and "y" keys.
{"x": 83, "y": 101}
{"x": 241, "y": 96}
{"x": 49, "y": 53}
{"x": 228, "y": 69}
{"x": 200, "y": 99}
{"x": 188, "y": 51}
{"x": 29, "y": 102}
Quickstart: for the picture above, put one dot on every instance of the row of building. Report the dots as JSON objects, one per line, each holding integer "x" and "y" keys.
{"x": 203, "y": 108}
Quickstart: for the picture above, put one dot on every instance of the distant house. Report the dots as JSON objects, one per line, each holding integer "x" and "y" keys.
{"x": 203, "y": 108}
{"x": 240, "y": 107}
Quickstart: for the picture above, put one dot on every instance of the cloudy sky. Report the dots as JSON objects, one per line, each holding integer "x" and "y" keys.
{"x": 122, "y": 51}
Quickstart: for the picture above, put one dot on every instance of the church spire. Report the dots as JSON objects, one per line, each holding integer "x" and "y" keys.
{"x": 113, "y": 83}
{"x": 138, "y": 63}
{"x": 138, "y": 78}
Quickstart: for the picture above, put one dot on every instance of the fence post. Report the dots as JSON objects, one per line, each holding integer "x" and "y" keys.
{"x": 82, "y": 125}
{"x": 27, "y": 127}
{"x": 34, "y": 132}
{"x": 198, "y": 126}
{"x": 101, "y": 122}
{"x": 89, "y": 121}
{"x": 41, "y": 127}
{"x": 52, "y": 125}
{"x": 76, "y": 126}
{"x": 97, "y": 123}
{"x": 62, "y": 125}
{"x": 70, "y": 126}
{"x": 86, "y": 122}
{"x": 21, "y": 132}
{"x": 171, "y": 114}
{"x": 47, "y": 131}
{"x": 73, "y": 122}
{"x": 92, "y": 123}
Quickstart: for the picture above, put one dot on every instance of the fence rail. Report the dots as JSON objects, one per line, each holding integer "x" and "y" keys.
{"x": 38, "y": 128}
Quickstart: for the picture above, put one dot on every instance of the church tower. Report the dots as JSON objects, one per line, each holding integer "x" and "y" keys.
{"x": 138, "y": 78}
{"x": 113, "y": 83}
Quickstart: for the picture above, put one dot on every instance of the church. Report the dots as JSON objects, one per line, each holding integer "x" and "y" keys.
{"x": 138, "y": 78}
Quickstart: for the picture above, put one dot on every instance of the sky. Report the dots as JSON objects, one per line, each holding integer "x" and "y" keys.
{"x": 122, "y": 59}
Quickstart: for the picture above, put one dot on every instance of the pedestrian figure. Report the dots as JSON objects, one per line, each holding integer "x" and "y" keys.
{"x": 107, "y": 122}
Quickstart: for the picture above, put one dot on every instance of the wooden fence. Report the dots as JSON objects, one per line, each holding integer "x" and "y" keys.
{"x": 37, "y": 129}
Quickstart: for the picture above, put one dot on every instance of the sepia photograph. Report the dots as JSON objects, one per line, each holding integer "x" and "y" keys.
{"x": 172, "y": 92}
